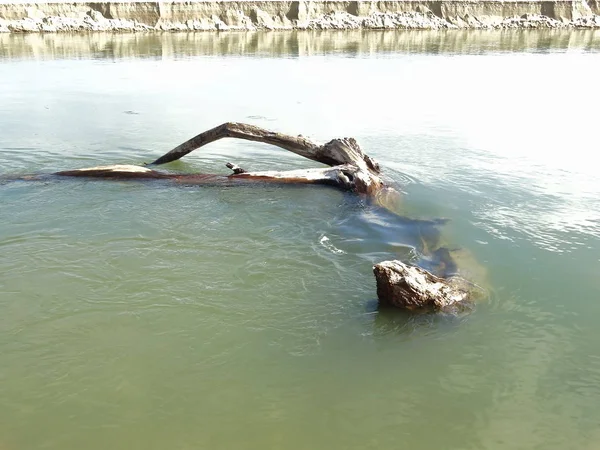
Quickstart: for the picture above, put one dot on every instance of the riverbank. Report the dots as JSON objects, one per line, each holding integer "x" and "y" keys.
{"x": 143, "y": 16}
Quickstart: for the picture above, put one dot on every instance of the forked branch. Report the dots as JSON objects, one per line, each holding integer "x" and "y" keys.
{"x": 360, "y": 172}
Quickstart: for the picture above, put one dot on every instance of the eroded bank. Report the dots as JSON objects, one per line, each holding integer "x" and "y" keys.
{"x": 272, "y": 15}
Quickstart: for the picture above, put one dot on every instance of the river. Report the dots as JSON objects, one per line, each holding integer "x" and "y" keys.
{"x": 152, "y": 316}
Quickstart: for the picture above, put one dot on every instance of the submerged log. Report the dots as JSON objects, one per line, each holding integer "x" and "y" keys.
{"x": 398, "y": 284}
{"x": 114, "y": 171}
{"x": 413, "y": 288}
{"x": 340, "y": 176}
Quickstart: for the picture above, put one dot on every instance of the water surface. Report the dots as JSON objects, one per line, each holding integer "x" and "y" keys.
{"x": 152, "y": 316}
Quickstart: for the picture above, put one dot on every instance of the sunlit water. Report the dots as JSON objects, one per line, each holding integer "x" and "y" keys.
{"x": 151, "y": 316}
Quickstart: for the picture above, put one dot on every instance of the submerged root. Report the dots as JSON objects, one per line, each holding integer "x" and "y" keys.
{"x": 398, "y": 284}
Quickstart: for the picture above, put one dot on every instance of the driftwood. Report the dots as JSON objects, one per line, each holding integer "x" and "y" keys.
{"x": 350, "y": 168}
{"x": 413, "y": 288}
{"x": 398, "y": 284}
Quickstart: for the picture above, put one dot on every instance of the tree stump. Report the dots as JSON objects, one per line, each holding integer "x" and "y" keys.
{"x": 413, "y": 288}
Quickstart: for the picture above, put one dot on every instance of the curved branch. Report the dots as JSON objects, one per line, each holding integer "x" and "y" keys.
{"x": 333, "y": 153}
{"x": 295, "y": 144}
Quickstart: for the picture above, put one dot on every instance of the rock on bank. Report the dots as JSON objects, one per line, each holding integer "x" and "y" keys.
{"x": 271, "y": 15}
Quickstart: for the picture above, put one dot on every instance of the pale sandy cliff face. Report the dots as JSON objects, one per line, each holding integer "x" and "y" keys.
{"x": 274, "y": 15}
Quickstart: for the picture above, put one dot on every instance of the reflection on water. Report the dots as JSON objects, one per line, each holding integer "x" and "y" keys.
{"x": 351, "y": 43}
{"x": 147, "y": 315}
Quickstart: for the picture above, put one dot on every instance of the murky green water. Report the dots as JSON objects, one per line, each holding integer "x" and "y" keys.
{"x": 150, "y": 316}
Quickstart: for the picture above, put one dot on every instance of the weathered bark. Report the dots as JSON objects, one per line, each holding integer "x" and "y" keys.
{"x": 114, "y": 171}
{"x": 413, "y": 288}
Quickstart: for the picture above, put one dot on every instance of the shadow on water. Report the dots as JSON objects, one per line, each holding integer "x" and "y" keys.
{"x": 353, "y": 43}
